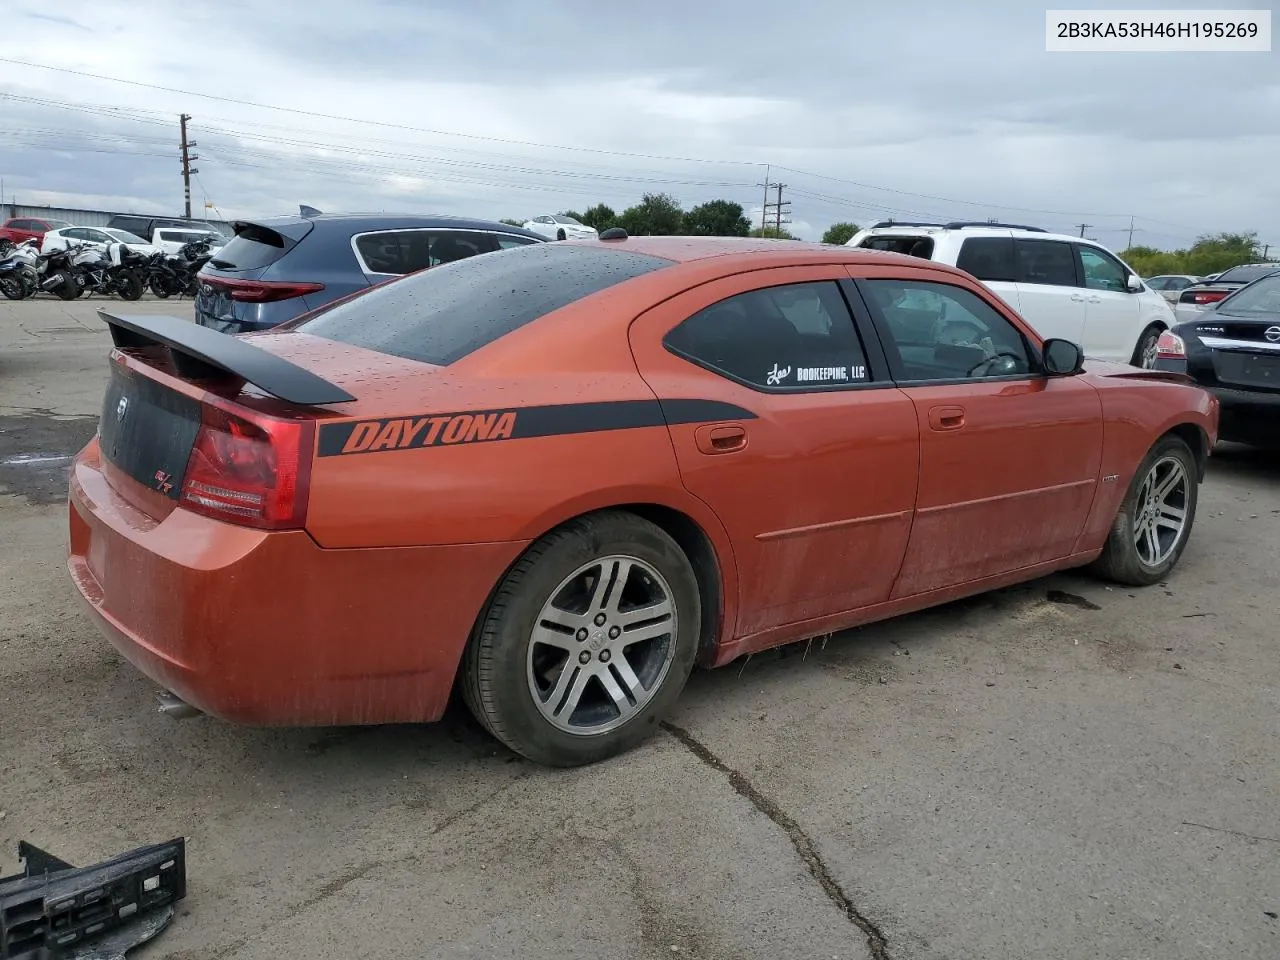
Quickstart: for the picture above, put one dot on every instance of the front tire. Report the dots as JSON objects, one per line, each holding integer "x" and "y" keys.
{"x": 586, "y": 643}
{"x": 1145, "y": 353}
{"x": 560, "y": 234}
{"x": 1154, "y": 522}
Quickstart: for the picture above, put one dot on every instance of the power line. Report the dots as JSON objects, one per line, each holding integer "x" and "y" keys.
{"x": 373, "y": 123}
{"x": 119, "y": 112}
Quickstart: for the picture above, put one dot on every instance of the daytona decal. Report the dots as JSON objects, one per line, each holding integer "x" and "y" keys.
{"x": 482, "y": 426}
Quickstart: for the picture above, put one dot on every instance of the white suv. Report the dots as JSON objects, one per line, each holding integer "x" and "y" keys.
{"x": 1063, "y": 286}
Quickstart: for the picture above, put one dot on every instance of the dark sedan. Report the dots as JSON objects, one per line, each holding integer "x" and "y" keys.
{"x": 1232, "y": 348}
{"x": 277, "y": 269}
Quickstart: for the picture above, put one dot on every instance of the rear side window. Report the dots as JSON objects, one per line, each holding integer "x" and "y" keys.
{"x": 398, "y": 252}
{"x": 1049, "y": 262}
{"x": 988, "y": 258}
{"x": 439, "y": 316}
{"x": 508, "y": 240}
{"x": 797, "y": 336}
{"x": 252, "y": 248}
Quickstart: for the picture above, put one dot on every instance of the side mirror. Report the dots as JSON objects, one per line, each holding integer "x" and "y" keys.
{"x": 1062, "y": 358}
{"x": 1133, "y": 284}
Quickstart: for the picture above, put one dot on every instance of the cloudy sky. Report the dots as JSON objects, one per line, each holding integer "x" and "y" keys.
{"x": 508, "y": 108}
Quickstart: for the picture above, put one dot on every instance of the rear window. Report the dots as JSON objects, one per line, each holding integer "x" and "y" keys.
{"x": 441, "y": 315}
{"x": 987, "y": 258}
{"x": 1248, "y": 274}
{"x": 912, "y": 246}
{"x": 253, "y": 248}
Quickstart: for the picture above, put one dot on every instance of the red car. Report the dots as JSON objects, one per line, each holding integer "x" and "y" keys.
{"x": 17, "y": 229}
{"x": 556, "y": 477}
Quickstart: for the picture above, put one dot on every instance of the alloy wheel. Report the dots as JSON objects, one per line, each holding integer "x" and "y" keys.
{"x": 602, "y": 645}
{"x": 1160, "y": 513}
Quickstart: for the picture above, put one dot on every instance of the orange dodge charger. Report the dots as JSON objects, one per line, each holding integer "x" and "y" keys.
{"x": 560, "y": 475}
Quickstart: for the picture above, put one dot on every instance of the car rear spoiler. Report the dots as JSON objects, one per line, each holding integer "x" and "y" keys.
{"x": 200, "y": 353}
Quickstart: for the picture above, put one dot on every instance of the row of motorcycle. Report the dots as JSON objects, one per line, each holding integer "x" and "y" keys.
{"x": 111, "y": 270}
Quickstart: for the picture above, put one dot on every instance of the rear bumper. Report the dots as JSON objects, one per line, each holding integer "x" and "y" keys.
{"x": 1248, "y": 416}
{"x": 269, "y": 628}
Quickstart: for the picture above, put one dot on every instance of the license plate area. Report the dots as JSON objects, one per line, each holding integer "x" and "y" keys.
{"x": 1239, "y": 368}
{"x": 147, "y": 431}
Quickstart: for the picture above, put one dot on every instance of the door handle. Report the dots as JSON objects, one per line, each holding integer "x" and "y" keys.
{"x": 1077, "y": 298}
{"x": 946, "y": 418}
{"x": 1095, "y": 299}
{"x": 720, "y": 438}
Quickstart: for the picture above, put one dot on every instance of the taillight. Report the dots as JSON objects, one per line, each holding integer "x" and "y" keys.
{"x": 250, "y": 469}
{"x": 1170, "y": 347}
{"x": 1205, "y": 296}
{"x": 263, "y": 291}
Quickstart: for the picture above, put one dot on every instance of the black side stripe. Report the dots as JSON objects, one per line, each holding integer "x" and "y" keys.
{"x": 517, "y": 423}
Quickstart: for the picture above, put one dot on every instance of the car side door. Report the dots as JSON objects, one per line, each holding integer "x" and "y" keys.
{"x": 811, "y": 464}
{"x": 1113, "y": 314}
{"x": 1009, "y": 456}
{"x": 1050, "y": 297}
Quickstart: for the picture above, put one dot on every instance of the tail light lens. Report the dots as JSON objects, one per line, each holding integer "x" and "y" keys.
{"x": 1208, "y": 296}
{"x": 249, "y": 469}
{"x": 263, "y": 291}
{"x": 1170, "y": 347}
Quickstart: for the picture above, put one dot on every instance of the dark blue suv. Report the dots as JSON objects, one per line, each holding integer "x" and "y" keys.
{"x": 275, "y": 269}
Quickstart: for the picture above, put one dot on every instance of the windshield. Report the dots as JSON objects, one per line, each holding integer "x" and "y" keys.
{"x": 1262, "y": 297}
{"x": 57, "y": 224}
{"x": 124, "y": 236}
{"x": 559, "y": 219}
{"x": 1248, "y": 273}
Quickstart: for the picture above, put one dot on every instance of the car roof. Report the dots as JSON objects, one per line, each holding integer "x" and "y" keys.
{"x": 759, "y": 250}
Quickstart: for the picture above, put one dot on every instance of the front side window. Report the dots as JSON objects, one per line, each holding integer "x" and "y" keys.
{"x": 1101, "y": 272}
{"x": 507, "y": 240}
{"x": 797, "y": 336}
{"x": 1048, "y": 262}
{"x": 942, "y": 332}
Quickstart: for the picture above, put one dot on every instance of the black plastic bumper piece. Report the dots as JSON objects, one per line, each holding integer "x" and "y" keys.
{"x": 54, "y": 910}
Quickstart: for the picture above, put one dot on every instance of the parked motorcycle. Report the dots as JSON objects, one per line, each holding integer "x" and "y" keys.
{"x": 175, "y": 275}
{"x": 19, "y": 277}
{"x": 113, "y": 271}
{"x": 58, "y": 275}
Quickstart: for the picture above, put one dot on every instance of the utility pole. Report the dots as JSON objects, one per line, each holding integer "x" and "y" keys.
{"x": 1083, "y": 227}
{"x": 1130, "y": 246}
{"x": 187, "y": 169}
{"x": 764, "y": 206}
{"x": 779, "y": 208}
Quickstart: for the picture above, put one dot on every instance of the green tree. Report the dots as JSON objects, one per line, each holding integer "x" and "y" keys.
{"x": 773, "y": 233}
{"x": 510, "y": 222}
{"x": 1210, "y": 253}
{"x": 601, "y": 216}
{"x": 657, "y": 214}
{"x": 717, "y": 218}
{"x": 840, "y": 233}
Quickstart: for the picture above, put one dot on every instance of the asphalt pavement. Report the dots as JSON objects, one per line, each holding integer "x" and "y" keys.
{"x": 1063, "y": 769}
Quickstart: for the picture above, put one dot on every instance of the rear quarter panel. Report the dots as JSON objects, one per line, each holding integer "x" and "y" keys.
{"x": 1137, "y": 411}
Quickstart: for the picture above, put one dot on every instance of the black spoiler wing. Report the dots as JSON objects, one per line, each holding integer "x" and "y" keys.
{"x": 201, "y": 353}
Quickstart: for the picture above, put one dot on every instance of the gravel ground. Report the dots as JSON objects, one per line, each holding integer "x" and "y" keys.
{"x": 1058, "y": 770}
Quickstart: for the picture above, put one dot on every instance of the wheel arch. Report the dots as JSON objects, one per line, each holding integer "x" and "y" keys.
{"x": 707, "y": 550}
{"x": 1197, "y": 439}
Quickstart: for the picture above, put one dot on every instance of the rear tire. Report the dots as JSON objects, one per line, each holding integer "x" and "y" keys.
{"x": 560, "y": 234}
{"x": 1144, "y": 354}
{"x": 561, "y": 644}
{"x": 1154, "y": 522}
{"x": 13, "y": 288}
{"x": 130, "y": 287}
